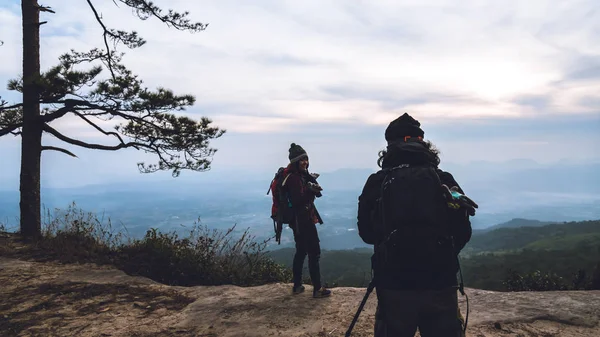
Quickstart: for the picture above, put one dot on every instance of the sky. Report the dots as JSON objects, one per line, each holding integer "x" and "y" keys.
{"x": 488, "y": 80}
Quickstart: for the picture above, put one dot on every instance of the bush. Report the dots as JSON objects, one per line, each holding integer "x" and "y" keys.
{"x": 74, "y": 235}
{"x": 538, "y": 281}
{"x": 208, "y": 257}
{"x": 535, "y": 281}
{"x": 203, "y": 257}
{"x": 595, "y": 282}
{"x": 580, "y": 280}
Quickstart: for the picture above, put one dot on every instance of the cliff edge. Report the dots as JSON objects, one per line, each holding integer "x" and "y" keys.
{"x": 52, "y": 299}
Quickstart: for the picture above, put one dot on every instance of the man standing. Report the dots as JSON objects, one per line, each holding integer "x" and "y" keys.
{"x": 403, "y": 212}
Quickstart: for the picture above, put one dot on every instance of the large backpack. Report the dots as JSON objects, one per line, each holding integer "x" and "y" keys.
{"x": 281, "y": 208}
{"x": 412, "y": 223}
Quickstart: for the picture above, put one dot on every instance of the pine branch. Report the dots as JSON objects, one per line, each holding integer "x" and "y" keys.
{"x": 46, "y": 9}
{"x": 80, "y": 143}
{"x": 69, "y": 106}
{"x": 107, "y": 133}
{"x": 10, "y": 128}
{"x": 74, "y": 105}
{"x": 14, "y": 106}
{"x": 145, "y": 9}
{"x": 105, "y": 33}
{"x": 11, "y": 118}
{"x": 59, "y": 149}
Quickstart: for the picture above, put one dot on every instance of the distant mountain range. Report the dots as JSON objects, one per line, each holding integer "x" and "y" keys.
{"x": 509, "y": 194}
{"x": 518, "y": 222}
{"x": 521, "y": 233}
{"x": 562, "y": 248}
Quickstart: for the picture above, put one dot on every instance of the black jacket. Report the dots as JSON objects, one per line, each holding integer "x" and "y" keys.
{"x": 411, "y": 153}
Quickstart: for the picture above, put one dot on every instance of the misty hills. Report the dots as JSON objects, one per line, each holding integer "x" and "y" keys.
{"x": 516, "y": 189}
{"x": 488, "y": 258}
{"x": 516, "y": 223}
{"x": 513, "y": 176}
{"x": 532, "y": 234}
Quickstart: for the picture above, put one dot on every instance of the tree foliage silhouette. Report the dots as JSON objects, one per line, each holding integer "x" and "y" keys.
{"x": 142, "y": 119}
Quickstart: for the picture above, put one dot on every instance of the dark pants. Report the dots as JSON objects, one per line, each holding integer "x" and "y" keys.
{"x": 434, "y": 312}
{"x": 307, "y": 243}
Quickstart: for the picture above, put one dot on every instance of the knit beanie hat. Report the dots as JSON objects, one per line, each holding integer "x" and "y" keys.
{"x": 296, "y": 153}
{"x": 403, "y": 126}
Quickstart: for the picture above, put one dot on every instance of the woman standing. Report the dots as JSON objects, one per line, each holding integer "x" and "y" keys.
{"x": 302, "y": 189}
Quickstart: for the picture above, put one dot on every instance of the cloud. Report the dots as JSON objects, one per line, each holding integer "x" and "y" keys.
{"x": 584, "y": 68}
{"x": 536, "y": 101}
{"x": 284, "y": 60}
{"x": 335, "y": 72}
{"x": 286, "y": 55}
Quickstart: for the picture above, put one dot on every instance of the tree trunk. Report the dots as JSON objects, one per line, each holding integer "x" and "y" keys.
{"x": 31, "y": 137}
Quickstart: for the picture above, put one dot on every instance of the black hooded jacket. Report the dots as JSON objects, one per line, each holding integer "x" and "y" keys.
{"x": 413, "y": 153}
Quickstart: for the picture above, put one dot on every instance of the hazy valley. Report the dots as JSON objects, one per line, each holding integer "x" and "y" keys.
{"x": 516, "y": 189}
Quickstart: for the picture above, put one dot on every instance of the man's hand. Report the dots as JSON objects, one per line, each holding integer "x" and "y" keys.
{"x": 454, "y": 196}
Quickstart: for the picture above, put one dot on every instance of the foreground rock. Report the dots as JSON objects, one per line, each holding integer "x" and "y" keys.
{"x": 50, "y": 299}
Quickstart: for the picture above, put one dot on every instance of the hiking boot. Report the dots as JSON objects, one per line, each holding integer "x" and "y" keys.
{"x": 321, "y": 293}
{"x": 298, "y": 290}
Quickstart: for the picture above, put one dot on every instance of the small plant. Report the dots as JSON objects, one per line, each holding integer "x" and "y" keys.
{"x": 5, "y": 226}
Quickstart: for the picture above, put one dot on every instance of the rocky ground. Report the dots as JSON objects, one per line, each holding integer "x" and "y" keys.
{"x": 52, "y": 299}
{"x": 41, "y": 297}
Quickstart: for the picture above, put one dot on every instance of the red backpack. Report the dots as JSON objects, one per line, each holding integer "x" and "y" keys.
{"x": 281, "y": 209}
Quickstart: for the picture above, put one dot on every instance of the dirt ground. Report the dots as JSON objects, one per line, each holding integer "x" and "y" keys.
{"x": 52, "y": 299}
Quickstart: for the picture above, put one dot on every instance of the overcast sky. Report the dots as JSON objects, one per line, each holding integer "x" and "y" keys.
{"x": 489, "y": 80}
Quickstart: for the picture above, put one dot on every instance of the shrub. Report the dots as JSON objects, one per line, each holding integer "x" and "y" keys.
{"x": 538, "y": 281}
{"x": 206, "y": 256}
{"x": 203, "y": 257}
{"x": 595, "y": 281}
{"x": 74, "y": 235}
{"x": 534, "y": 281}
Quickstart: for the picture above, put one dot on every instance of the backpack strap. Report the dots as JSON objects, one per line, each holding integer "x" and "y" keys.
{"x": 285, "y": 179}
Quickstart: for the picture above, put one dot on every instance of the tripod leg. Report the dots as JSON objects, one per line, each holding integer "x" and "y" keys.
{"x": 360, "y": 308}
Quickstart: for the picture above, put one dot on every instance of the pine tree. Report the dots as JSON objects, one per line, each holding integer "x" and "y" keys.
{"x": 146, "y": 117}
